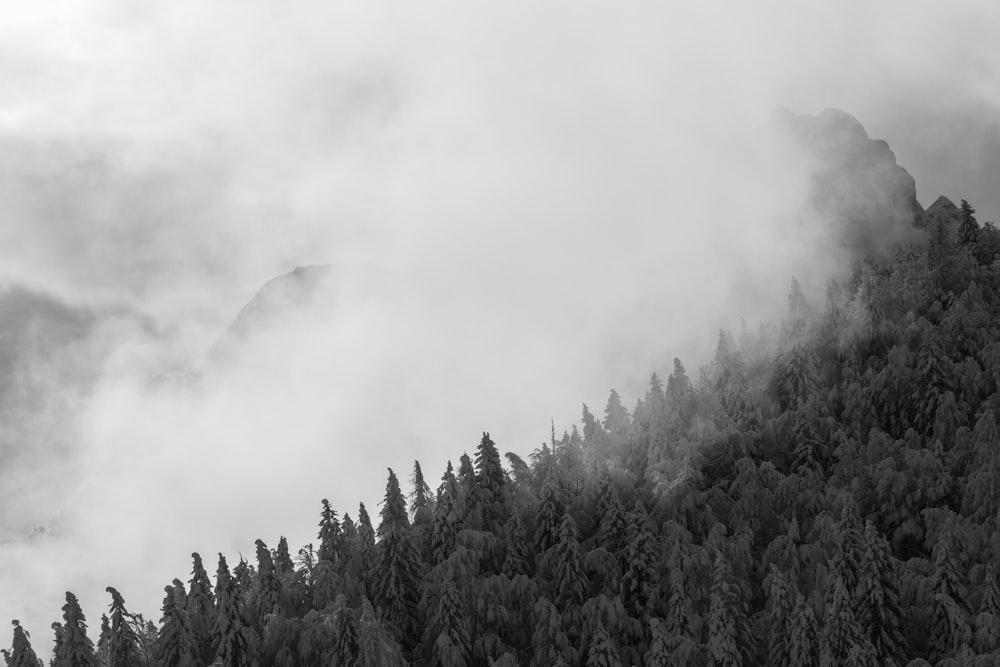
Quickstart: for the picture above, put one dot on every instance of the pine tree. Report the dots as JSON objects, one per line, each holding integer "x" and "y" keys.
{"x": 681, "y": 608}
{"x": 690, "y": 566}
{"x": 949, "y": 629}
{"x": 549, "y": 640}
{"x": 516, "y": 561}
{"x": 74, "y": 648}
{"x": 123, "y": 641}
{"x": 616, "y": 418}
{"x": 21, "y": 654}
{"x": 446, "y": 518}
{"x": 397, "y": 566}
{"x": 850, "y": 549}
{"x": 570, "y": 583}
{"x": 991, "y": 592}
{"x": 550, "y": 512}
{"x": 355, "y": 565}
{"x": 365, "y": 530}
{"x": 877, "y": 601}
{"x": 613, "y": 529}
{"x": 282, "y": 558}
{"x": 326, "y": 585}
{"x": 421, "y": 505}
{"x": 798, "y": 315}
{"x": 594, "y": 437}
{"x": 329, "y": 533}
{"x": 982, "y": 487}
{"x": 58, "y": 631}
{"x": 505, "y": 660}
{"x": 803, "y": 644}
{"x": 283, "y": 564}
{"x": 640, "y": 575}
{"x": 968, "y": 228}
{"x": 658, "y": 654}
{"x": 234, "y": 641}
{"x": 345, "y": 634}
{"x": 243, "y": 576}
{"x": 491, "y": 482}
{"x": 174, "y": 645}
{"x": 350, "y": 532}
{"x": 376, "y": 646}
{"x": 470, "y": 501}
{"x": 841, "y": 630}
{"x": 201, "y": 611}
{"x": 570, "y": 458}
{"x": 314, "y": 638}
{"x": 447, "y": 632}
{"x": 649, "y": 442}
{"x": 680, "y": 397}
{"x": 728, "y": 631}
{"x": 103, "y": 640}
{"x": 734, "y": 388}
{"x": 862, "y": 655}
{"x": 602, "y": 651}
{"x": 987, "y": 637}
{"x": 268, "y": 585}
{"x": 805, "y": 428}
{"x": 796, "y": 376}
{"x": 780, "y": 604}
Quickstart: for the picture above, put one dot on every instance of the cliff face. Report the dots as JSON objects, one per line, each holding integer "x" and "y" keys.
{"x": 855, "y": 183}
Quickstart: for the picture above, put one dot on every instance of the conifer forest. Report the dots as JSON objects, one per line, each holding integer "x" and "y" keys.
{"x": 825, "y": 492}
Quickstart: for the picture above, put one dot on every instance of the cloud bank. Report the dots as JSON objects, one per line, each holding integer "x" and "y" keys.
{"x": 562, "y": 198}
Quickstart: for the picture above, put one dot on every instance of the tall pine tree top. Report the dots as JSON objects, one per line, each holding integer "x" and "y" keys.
{"x": 123, "y": 650}
{"x": 234, "y": 642}
{"x": 968, "y": 228}
{"x": 421, "y": 502}
{"x": 329, "y": 532}
{"x": 21, "y": 654}
{"x": 75, "y": 649}
{"x": 490, "y": 480}
{"x": 397, "y": 566}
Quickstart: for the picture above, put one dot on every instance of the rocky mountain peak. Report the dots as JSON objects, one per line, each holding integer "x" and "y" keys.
{"x": 856, "y": 184}
{"x": 943, "y": 211}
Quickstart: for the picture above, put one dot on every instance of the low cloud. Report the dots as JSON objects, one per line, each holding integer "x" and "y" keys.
{"x": 561, "y": 199}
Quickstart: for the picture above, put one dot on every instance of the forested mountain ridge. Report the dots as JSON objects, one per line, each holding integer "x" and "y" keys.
{"x": 824, "y": 494}
{"x": 826, "y": 491}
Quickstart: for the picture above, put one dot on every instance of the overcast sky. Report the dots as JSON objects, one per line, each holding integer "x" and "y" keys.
{"x": 563, "y": 197}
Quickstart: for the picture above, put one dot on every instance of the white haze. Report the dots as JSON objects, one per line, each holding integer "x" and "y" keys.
{"x": 563, "y": 197}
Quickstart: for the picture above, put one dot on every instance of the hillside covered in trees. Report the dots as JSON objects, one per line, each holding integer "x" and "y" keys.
{"x": 825, "y": 492}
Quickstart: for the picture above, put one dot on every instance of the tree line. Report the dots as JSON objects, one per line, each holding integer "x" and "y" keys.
{"x": 825, "y": 492}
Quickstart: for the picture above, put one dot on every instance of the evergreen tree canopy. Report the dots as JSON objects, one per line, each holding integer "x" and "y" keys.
{"x": 491, "y": 482}
{"x": 826, "y": 492}
{"x": 75, "y": 648}
{"x": 175, "y": 646}
{"x": 123, "y": 648}
{"x": 234, "y": 641}
{"x": 21, "y": 654}
{"x": 397, "y": 568}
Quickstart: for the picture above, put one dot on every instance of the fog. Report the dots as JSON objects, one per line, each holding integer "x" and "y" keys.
{"x": 557, "y": 199}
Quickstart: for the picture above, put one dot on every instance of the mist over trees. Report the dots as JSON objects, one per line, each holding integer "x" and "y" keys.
{"x": 824, "y": 492}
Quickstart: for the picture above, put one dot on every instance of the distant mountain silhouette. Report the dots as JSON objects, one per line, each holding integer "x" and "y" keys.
{"x": 318, "y": 286}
